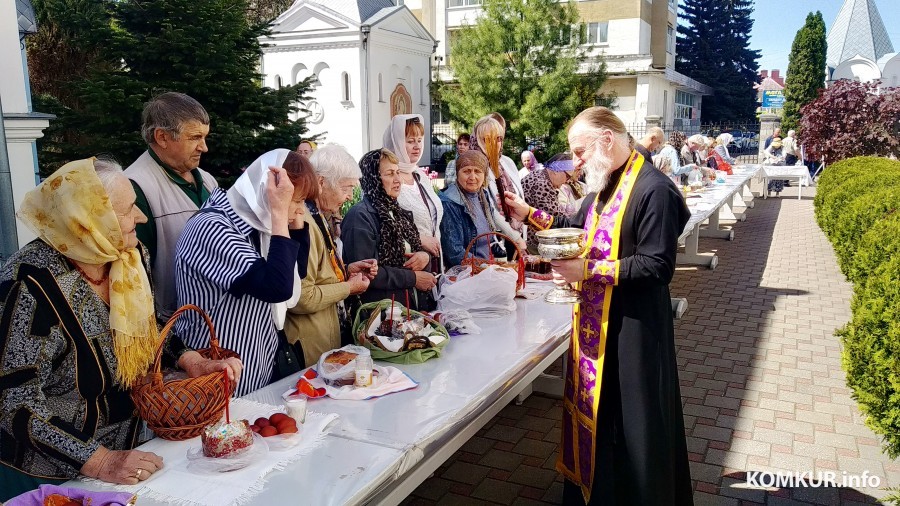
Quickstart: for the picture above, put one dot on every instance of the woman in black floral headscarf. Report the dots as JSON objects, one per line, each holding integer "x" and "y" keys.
{"x": 378, "y": 227}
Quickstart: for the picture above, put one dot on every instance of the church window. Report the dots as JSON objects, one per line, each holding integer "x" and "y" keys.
{"x": 345, "y": 87}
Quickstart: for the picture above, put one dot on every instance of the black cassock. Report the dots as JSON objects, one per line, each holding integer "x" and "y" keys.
{"x": 641, "y": 454}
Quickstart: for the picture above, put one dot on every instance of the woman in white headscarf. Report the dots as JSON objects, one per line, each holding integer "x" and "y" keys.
{"x": 241, "y": 259}
{"x": 405, "y": 138}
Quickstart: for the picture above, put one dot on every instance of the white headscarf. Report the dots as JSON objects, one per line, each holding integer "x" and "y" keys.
{"x": 249, "y": 199}
{"x": 395, "y": 141}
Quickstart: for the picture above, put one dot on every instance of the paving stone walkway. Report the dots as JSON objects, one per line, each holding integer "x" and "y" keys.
{"x": 761, "y": 382}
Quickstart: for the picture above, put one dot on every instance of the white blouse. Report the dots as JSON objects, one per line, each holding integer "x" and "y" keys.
{"x": 426, "y": 216}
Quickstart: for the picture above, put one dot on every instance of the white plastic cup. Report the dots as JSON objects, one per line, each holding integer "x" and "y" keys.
{"x": 296, "y": 408}
{"x": 364, "y": 366}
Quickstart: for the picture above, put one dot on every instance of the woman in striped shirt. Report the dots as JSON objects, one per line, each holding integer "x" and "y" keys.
{"x": 241, "y": 259}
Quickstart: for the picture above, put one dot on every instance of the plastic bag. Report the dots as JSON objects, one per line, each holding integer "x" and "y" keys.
{"x": 257, "y": 452}
{"x": 340, "y": 374}
{"x": 491, "y": 292}
{"x": 457, "y": 321}
{"x": 370, "y": 313}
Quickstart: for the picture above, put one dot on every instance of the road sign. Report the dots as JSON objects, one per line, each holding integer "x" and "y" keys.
{"x": 773, "y": 99}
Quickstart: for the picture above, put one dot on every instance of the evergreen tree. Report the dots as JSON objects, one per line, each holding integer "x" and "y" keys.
{"x": 522, "y": 60}
{"x": 713, "y": 48}
{"x": 208, "y": 49}
{"x": 806, "y": 69}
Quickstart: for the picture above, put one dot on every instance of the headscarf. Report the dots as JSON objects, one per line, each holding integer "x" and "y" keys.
{"x": 397, "y": 225}
{"x": 250, "y": 201}
{"x": 71, "y": 212}
{"x": 395, "y": 141}
{"x": 676, "y": 140}
{"x": 472, "y": 159}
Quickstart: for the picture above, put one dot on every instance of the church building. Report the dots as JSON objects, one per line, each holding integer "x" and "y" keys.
{"x": 859, "y": 47}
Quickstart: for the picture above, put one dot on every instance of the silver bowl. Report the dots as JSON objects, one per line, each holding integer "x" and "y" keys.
{"x": 561, "y": 244}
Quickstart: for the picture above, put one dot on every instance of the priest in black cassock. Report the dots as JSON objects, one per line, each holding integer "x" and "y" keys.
{"x": 623, "y": 439}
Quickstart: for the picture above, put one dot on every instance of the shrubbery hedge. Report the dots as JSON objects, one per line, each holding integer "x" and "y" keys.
{"x": 858, "y": 207}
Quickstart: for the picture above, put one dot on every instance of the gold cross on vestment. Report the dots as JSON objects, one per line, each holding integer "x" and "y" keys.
{"x": 588, "y": 331}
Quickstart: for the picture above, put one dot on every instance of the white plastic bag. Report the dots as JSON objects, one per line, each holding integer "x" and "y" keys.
{"x": 491, "y": 292}
{"x": 340, "y": 374}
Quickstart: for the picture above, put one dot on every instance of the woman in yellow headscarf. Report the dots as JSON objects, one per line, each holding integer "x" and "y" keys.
{"x": 77, "y": 328}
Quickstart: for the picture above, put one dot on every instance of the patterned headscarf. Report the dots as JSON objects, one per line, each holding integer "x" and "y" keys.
{"x": 676, "y": 139}
{"x": 71, "y": 212}
{"x": 397, "y": 227}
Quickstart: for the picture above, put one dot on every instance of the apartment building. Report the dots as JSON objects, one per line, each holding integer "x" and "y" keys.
{"x": 636, "y": 38}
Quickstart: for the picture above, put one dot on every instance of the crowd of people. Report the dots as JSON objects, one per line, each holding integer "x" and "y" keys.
{"x": 119, "y": 251}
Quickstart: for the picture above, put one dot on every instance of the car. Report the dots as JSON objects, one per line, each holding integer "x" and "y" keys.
{"x": 441, "y": 145}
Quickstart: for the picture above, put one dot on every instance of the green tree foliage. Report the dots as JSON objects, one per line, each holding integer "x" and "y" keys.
{"x": 806, "y": 69}
{"x": 859, "y": 210}
{"x": 523, "y": 59}
{"x": 208, "y": 49}
{"x": 714, "y": 48}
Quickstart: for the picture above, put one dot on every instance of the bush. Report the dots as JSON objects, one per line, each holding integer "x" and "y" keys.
{"x": 872, "y": 352}
{"x": 876, "y": 248}
{"x": 845, "y": 182}
{"x": 857, "y": 217}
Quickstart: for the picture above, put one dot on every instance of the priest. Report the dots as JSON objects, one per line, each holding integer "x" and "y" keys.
{"x": 623, "y": 438}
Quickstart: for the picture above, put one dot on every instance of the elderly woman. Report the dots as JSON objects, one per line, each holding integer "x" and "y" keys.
{"x": 377, "y": 227}
{"x": 721, "y": 149}
{"x": 529, "y": 163}
{"x": 469, "y": 209}
{"x": 488, "y": 138}
{"x": 319, "y": 320}
{"x": 69, "y": 352}
{"x": 404, "y": 137}
{"x": 693, "y": 150}
{"x": 542, "y": 190}
{"x": 668, "y": 160}
{"x": 241, "y": 259}
{"x": 774, "y": 155}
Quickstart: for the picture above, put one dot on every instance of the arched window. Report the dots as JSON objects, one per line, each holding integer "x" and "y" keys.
{"x": 345, "y": 87}
{"x": 296, "y": 73}
{"x": 380, "y": 88}
{"x": 277, "y": 82}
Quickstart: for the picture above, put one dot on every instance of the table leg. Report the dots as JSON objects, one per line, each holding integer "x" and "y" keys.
{"x": 747, "y": 195}
{"x": 691, "y": 256}
{"x": 713, "y": 230}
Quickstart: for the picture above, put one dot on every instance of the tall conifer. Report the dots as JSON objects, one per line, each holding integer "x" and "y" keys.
{"x": 806, "y": 68}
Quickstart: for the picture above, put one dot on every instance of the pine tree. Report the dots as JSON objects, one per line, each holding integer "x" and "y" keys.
{"x": 713, "y": 48}
{"x": 806, "y": 69}
{"x": 208, "y": 49}
{"x": 522, "y": 59}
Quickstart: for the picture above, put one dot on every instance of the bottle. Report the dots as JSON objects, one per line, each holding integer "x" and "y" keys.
{"x": 364, "y": 367}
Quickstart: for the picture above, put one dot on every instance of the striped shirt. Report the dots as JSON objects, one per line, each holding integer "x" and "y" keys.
{"x": 214, "y": 250}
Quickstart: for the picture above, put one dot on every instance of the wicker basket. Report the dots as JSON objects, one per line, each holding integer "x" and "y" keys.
{"x": 179, "y": 409}
{"x": 477, "y": 264}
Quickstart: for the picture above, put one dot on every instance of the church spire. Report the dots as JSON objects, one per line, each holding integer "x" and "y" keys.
{"x": 857, "y": 30}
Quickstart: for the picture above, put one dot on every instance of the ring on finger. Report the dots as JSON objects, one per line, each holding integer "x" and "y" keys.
{"x": 138, "y": 473}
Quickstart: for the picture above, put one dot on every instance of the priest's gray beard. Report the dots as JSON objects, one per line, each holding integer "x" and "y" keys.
{"x": 597, "y": 171}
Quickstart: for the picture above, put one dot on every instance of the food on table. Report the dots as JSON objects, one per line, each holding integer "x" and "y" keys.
{"x": 226, "y": 439}
{"x": 61, "y": 500}
{"x": 341, "y": 357}
{"x": 279, "y": 423}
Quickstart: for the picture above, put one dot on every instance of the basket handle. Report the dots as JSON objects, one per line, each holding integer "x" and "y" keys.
{"x": 164, "y": 333}
{"x": 517, "y": 254}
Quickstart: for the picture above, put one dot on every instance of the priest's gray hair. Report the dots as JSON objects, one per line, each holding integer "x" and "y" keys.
{"x": 333, "y": 162}
{"x": 600, "y": 118}
{"x": 169, "y": 112}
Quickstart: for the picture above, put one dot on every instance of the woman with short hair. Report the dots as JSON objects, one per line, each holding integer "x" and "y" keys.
{"x": 320, "y": 322}
{"x": 241, "y": 259}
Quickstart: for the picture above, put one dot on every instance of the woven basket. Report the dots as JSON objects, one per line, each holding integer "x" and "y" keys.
{"x": 179, "y": 409}
{"x": 478, "y": 264}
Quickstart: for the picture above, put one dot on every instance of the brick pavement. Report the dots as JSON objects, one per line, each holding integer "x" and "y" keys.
{"x": 761, "y": 382}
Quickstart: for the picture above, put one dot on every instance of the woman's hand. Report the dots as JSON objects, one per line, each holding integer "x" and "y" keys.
{"x": 369, "y": 267}
{"x": 425, "y": 280}
{"x": 280, "y": 192}
{"x": 128, "y": 467}
{"x": 195, "y": 365}
{"x": 517, "y": 206}
{"x": 417, "y": 261}
{"x": 359, "y": 283}
{"x": 431, "y": 244}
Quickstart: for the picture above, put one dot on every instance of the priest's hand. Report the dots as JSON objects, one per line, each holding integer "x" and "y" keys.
{"x": 568, "y": 271}
{"x": 518, "y": 208}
